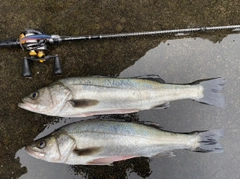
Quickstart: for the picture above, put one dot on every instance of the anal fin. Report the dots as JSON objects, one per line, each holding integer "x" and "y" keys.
{"x": 109, "y": 160}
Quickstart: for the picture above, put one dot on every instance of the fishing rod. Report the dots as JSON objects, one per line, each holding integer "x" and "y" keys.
{"x": 36, "y": 42}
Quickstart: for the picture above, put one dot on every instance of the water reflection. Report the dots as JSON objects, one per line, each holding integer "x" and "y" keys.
{"x": 37, "y": 168}
{"x": 123, "y": 169}
{"x": 176, "y": 57}
{"x": 40, "y": 169}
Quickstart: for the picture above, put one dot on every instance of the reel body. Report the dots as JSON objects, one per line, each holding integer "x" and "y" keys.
{"x": 36, "y": 43}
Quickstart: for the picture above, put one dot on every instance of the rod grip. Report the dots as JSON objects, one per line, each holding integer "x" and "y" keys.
{"x": 9, "y": 43}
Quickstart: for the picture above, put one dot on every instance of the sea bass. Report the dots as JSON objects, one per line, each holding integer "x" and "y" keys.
{"x": 87, "y": 96}
{"x": 102, "y": 142}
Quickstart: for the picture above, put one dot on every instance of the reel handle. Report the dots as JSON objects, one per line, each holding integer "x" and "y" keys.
{"x": 26, "y": 70}
{"x": 57, "y": 69}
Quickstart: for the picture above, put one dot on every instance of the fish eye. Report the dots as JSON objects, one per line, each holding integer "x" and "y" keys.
{"x": 41, "y": 144}
{"x": 34, "y": 95}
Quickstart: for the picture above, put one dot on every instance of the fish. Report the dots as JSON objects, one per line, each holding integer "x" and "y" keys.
{"x": 103, "y": 142}
{"x": 98, "y": 95}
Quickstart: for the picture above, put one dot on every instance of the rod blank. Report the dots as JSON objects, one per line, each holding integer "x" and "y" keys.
{"x": 198, "y": 29}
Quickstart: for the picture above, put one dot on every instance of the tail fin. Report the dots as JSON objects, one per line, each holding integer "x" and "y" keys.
{"x": 211, "y": 91}
{"x": 208, "y": 141}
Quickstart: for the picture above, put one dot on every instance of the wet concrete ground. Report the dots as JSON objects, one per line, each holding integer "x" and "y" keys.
{"x": 179, "y": 60}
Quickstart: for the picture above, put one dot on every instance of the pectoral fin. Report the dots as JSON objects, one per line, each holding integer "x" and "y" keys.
{"x": 83, "y": 103}
{"x": 88, "y": 151}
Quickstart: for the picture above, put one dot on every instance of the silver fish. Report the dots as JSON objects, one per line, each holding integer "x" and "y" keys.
{"x": 87, "y": 96}
{"x": 102, "y": 142}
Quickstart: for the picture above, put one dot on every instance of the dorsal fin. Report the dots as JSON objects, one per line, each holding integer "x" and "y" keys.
{"x": 151, "y": 124}
{"x": 151, "y": 77}
{"x": 162, "y": 106}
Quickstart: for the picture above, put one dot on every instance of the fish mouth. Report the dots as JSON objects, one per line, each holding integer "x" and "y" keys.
{"x": 27, "y": 105}
{"x": 33, "y": 153}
